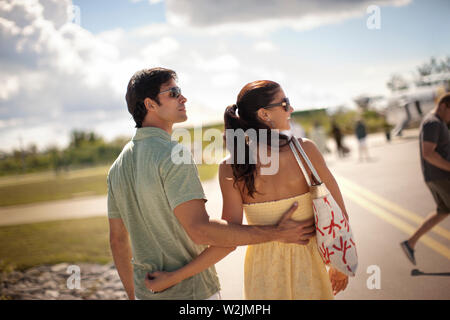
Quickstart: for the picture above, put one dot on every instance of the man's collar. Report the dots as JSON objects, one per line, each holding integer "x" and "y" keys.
{"x": 438, "y": 116}
{"x": 147, "y": 132}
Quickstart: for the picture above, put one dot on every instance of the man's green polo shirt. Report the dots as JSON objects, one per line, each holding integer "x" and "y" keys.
{"x": 144, "y": 187}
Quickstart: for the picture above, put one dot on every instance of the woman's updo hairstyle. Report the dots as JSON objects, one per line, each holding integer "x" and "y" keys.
{"x": 243, "y": 115}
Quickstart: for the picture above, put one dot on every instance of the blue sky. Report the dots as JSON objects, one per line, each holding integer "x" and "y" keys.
{"x": 102, "y": 15}
{"x": 58, "y": 76}
{"x": 419, "y": 28}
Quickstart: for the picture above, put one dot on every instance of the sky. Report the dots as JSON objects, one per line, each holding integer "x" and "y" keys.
{"x": 65, "y": 64}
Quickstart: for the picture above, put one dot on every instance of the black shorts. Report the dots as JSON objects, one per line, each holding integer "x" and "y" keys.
{"x": 440, "y": 189}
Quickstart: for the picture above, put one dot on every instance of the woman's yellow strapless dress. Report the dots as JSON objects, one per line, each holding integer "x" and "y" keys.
{"x": 276, "y": 270}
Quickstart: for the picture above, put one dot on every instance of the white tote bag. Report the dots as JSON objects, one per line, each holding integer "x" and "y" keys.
{"x": 334, "y": 236}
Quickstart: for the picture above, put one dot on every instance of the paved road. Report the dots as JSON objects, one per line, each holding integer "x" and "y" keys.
{"x": 83, "y": 207}
{"x": 386, "y": 200}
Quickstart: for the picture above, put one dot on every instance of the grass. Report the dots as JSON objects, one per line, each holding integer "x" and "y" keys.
{"x": 52, "y": 189}
{"x": 79, "y": 240}
{"x": 48, "y": 187}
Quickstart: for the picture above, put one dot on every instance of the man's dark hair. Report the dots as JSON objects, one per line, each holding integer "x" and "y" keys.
{"x": 145, "y": 84}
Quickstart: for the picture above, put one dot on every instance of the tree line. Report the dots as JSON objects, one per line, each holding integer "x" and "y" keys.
{"x": 85, "y": 149}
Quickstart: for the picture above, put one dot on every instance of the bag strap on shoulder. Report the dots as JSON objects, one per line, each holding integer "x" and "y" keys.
{"x": 308, "y": 162}
{"x": 300, "y": 164}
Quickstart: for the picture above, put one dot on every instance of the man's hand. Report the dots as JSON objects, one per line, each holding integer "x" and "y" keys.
{"x": 159, "y": 281}
{"x": 339, "y": 281}
{"x": 291, "y": 231}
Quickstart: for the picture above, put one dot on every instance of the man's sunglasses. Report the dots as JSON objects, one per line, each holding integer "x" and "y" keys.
{"x": 175, "y": 92}
{"x": 285, "y": 104}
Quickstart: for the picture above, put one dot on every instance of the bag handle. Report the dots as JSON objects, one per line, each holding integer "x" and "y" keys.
{"x": 308, "y": 180}
{"x": 308, "y": 162}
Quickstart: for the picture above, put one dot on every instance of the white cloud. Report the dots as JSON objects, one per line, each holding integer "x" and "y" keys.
{"x": 225, "y": 79}
{"x": 262, "y": 16}
{"x": 149, "y": 1}
{"x": 265, "y": 46}
{"x": 9, "y": 86}
{"x": 57, "y": 76}
{"x": 222, "y": 62}
{"x": 54, "y": 72}
{"x": 256, "y": 18}
{"x": 161, "y": 48}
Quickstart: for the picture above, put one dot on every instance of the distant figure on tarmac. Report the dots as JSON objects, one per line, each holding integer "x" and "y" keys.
{"x": 361, "y": 134}
{"x": 337, "y": 135}
{"x": 387, "y": 127}
{"x": 435, "y": 161}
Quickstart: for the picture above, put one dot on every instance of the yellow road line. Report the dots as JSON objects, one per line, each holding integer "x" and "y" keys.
{"x": 393, "y": 220}
{"x": 389, "y": 205}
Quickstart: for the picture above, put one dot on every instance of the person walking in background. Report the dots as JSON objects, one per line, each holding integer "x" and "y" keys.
{"x": 435, "y": 162}
{"x": 361, "y": 134}
{"x": 387, "y": 127}
{"x": 272, "y": 270}
{"x": 337, "y": 135}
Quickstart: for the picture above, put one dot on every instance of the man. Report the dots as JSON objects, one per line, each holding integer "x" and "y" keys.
{"x": 160, "y": 205}
{"x": 361, "y": 135}
{"x": 435, "y": 160}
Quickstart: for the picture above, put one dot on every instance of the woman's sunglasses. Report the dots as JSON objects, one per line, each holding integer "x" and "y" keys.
{"x": 285, "y": 104}
{"x": 175, "y": 92}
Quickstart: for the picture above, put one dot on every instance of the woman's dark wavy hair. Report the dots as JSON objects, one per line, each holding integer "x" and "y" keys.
{"x": 252, "y": 97}
{"x": 145, "y": 84}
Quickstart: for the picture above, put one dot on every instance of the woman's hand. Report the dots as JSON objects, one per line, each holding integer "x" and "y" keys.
{"x": 338, "y": 280}
{"x": 159, "y": 281}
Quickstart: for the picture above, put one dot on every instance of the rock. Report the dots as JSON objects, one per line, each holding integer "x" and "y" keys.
{"x": 119, "y": 294}
{"x": 52, "y": 293}
{"x": 68, "y": 297}
{"x": 94, "y": 269}
{"x": 32, "y": 289}
{"x": 99, "y": 282}
{"x": 15, "y": 276}
{"x": 61, "y": 267}
{"x": 113, "y": 286}
{"x": 33, "y": 272}
{"x": 45, "y": 276}
{"x": 111, "y": 274}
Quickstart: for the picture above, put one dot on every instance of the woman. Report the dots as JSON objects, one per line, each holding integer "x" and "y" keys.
{"x": 272, "y": 270}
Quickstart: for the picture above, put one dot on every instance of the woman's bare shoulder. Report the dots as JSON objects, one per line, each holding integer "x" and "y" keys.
{"x": 225, "y": 169}
{"x": 311, "y": 150}
{"x": 308, "y": 145}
